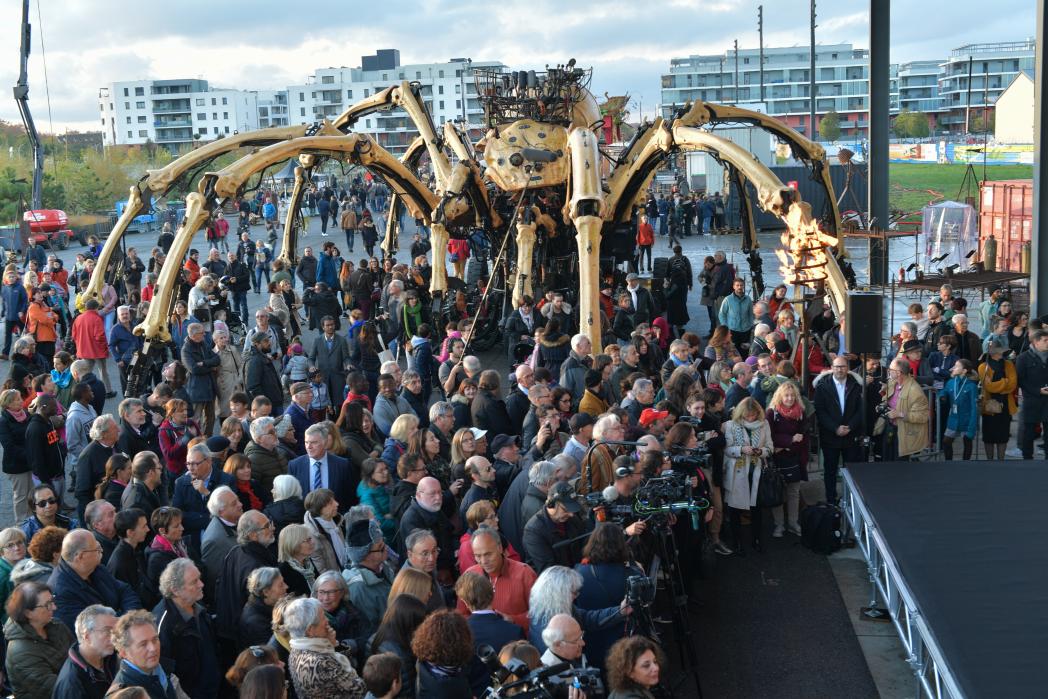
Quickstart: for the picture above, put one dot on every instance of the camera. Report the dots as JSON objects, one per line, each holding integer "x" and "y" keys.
{"x": 551, "y": 682}
{"x": 882, "y": 409}
{"x": 640, "y": 591}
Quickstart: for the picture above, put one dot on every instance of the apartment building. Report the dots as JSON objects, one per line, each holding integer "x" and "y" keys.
{"x": 993, "y": 67}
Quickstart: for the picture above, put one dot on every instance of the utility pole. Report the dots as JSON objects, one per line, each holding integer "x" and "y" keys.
{"x": 1039, "y": 237}
{"x": 760, "y": 35}
{"x": 21, "y": 94}
{"x": 968, "y": 101}
{"x": 736, "y": 72}
{"x": 811, "y": 80}
{"x": 880, "y": 117}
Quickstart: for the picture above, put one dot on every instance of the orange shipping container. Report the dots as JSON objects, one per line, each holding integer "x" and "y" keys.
{"x": 1006, "y": 212}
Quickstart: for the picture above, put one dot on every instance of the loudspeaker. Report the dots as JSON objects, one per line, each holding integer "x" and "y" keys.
{"x": 863, "y": 322}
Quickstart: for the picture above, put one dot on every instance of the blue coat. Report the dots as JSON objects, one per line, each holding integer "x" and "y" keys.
{"x": 736, "y": 313}
{"x": 74, "y": 594}
{"x": 16, "y": 301}
{"x": 123, "y": 343}
{"x": 962, "y": 401}
{"x": 327, "y": 272}
{"x": 300, "y": 421}
{"x": 343, "y": 478}
{"x": 195, "y": 516}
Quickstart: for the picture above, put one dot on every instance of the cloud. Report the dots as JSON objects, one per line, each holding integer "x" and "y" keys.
{"x": 268, "y": 45}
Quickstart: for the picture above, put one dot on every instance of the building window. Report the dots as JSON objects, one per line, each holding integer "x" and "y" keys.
{"x": 213, "y": 101}
{"x": 200, "y": 101}
{"x": 418, "y": 74}
{"x": 327, "y": 79}
{"x": 201, "y": 116}
{"x": 141, "y": 120}
{"x": 365, "y": 92}
{"x": 215, "y": 130}
{"x": 440, "y": 74}
{"x": 110, "y": 106}
{"x": 214, "y": 116}
{"x": 458, "y": 88}
{"x": 130, "y": 134}
{"x": 126, "y": 94}
{"x": 385, "y": 76}
{"x": 140, "y": 105}
{"x": 440, "y": 89}
{"x": 349, "y": 94}
{"x": 226, "y": 101}
{"x": 458, "y": 104}
{"x": 143, "y": 133}
{"x": 127, "y": 105}
{"x": 225, "y": 115}
{"x": 301, "y": 97}
{"x": 227, "y": 129}
{"x": 140, "y": 91}
{"x": 129, "y": 120}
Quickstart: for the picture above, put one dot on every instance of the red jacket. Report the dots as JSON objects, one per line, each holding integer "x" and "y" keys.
{"x": 89, "y": 336}
{"x": 645, "y": 234}
{"x": 194, "y": 270}
{"x": 512, "y": 590}
{"x": 459, "y": 247}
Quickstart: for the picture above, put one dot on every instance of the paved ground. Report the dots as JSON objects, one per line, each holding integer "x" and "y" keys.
{"x": 783, "y": 623}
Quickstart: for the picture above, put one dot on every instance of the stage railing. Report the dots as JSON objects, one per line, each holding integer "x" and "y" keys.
{"x": 888, "y": 586}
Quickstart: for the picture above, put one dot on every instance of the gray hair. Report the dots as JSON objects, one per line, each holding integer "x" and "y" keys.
{"x": 576, "y": 340}
{"x": 127, "y": 404}
{"x": 302, "y": 613}
{"x": 214, "y": 501}
{"x": 331, "y": 576}
{"x": 564, "y": 462}
{"x": 911, "y": 326}
{"x": 194, "y": 328}
{"x": 417, "y": 536}
{"x": 119, "y": 309}
{"x": 291, "y": 537}
{"x": 642, "y": 385}
{"x": 173, "y": 579}
{"x": 100, "y": 425}
{"x": 471, "y": 363}
{"x": 554, "y": 631}
{"x": 388, "y": 367}
{"x": 439, "y": 409}
{"x": 761, "y": 329}
{"x": 285, "y": 486}
{"x": 396, "y": 284}
{"x": 679, "y": 345}
{"x": 317, "y": 430}
{"x": 408, "y": 376}
{"x": 22, "y": 343}
{"x": 80, "y": 367}
{"x": 485, "y": 531}
{"x": 93, "y": 511}
{"x": 11, "y": 535}
{"x": 260, "y": 580}
{"x": 542, "y": 473}
{"x": 357, "y": 513}
{"x": 553, "y": 593}
{"x": 249, "y": 525}
{"x": 200, "y": 448}
{"x": 87, "y": 619}
{"x": 958, "y": 317}
{"x": 605, "y": 423}
{"x": 259, "y": 426}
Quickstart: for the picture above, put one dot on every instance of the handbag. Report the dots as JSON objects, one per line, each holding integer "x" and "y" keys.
{"x": 989, "y": 405}
{"x": 771, "y": 488}
{"x": 789, "y": 467}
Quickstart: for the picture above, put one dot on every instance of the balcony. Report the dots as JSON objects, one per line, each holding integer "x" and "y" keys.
{"x": 172, "y": 123}
{"x": 174, "y": 138}
{"x": 172, "y": 109}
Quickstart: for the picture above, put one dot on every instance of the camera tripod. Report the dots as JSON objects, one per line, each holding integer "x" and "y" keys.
{"x": 666, "y": 560}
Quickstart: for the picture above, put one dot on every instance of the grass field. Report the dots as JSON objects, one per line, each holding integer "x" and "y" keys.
{"x": 915, "y": 185}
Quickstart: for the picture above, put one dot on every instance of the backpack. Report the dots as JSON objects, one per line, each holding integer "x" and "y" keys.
{"x": 822, "y": 528}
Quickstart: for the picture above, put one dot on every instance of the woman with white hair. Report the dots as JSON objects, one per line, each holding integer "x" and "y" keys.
{"x": 199, "y": 301}
{"x": 318, "y": 667}
{"x": 294, "y": 549}
{"x": 554, "y": 593}
{"x": 287, "y": 507}
{"x": 265, "y": 586}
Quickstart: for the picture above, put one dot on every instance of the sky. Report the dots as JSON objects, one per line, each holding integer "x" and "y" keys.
{"x": 268, "y": 44}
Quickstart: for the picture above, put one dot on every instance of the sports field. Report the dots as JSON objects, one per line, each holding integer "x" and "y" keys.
{"x": 915, "y": 185}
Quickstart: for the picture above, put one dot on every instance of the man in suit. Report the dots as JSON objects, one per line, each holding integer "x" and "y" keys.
{"x": 330, "y": 355}
{"x": 838, "y": 407}
{"x": 475, "y": 593}
{"x": 642, "y": 305}
{"x": 192, "y": 490}
{"x": 220, "y": 536}
{"x": 321, "y": 469}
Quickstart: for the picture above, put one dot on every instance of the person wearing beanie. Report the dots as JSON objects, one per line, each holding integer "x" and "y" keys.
{"x": 297, "y": 368}
{"x": 370, "y": 577}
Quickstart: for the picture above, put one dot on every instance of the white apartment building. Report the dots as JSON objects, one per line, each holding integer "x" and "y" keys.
{"x": 448, "y": 91}
{"x": 173, "y": 113}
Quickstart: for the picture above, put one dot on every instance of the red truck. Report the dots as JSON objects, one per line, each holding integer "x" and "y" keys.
{"x": 49, "y": 227}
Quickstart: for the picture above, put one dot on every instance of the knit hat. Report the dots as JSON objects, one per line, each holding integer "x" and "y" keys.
{"x": 362, "y": 535}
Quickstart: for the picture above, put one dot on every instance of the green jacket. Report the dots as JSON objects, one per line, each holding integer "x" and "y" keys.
{"x": 33, "y": 662}
{"x": 5, "y": 587}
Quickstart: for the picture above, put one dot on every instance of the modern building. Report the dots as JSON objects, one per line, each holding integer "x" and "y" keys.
{"x": 917, "y": 84}
{"x": 173, "y": 113}
{"x": 1014, "y": 111}
{"x": 992, "y": 67}
{"x": 272, "y": 108}
{"x": 448, "y": 91}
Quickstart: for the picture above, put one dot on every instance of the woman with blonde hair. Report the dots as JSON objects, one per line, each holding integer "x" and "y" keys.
{"x": 335, "y": 445}
{"x": 463, "y": 446}
{"x": 411, "y": 581}
{"x": 791, "y": 437}
{"x": 400, "y": 433}
{"x": 748, "y": 447}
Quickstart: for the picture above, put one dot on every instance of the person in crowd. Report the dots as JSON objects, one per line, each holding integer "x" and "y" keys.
{"x": 260, "y": 376}
{"x": 488, "y": 410}
{"x": 633, "y": 667}
{"x": 137, "y": 431}
{"x": 998, "y": 381}
{"x": 791, "y": 440}
{"x": 597, "y": 472}
{"x": 128, "y": 562}
{"x": 37, "y": 642}
{"x": 252, "y": 550}
{"x": 12, "y": 552}
{"x": 91, "y": 460}
{"x": 265, "y": 586}
{"x": 402, "y": 618}
{"x": 422, "y": 557}
{"x": 175, "y": 432}
{"x": 45, "y": 551}
{"x": 319, "y": 468}
{"x": 343, "y": 618}
{"x": 369, "y": 577}
{"x": 373, "y": 490}
{"x": 286, "y": 507}
{"x": 146, "y": 490}
{"x": 481, "y": 514}
{"x": 962, "y": 407}
{"x": 905, "y": 425}
{"x": 45, "y": 512}
{"x": 462, "y": 403}
{"x": 295, "y": 546}
{"x": 267, "y": 460}
{"x": 969, "y": 346}
{"x": 558, "y": 520}
{"x": 382, "y": 676}
{"x": 43, "y": 447}
{"x": 1031, "y": 370}
{"x": 90, "y": 666}
{"x": 512, "y": 580}
{"x": 443, "y": 645}
{"x": 555, "y": 592}
{"x": 100, "y": 517}
{"x": 13, "y": 423}
{"x": 138, "y": 645}
{"x": 250, "y": 491}
{"x": 80, "y": 580}
{"x": 193, "y": 488}
{"x": 259, "y": 656}
{"x": 748, "y": 448}
{"x": 220, "y": 536}
{"x": 400, "y": 434}
{"x": 89, "y": 335}
{"x": 185, "y": 629}
{"x": 323, "y": 520}
{"x": 482, "y": 477}
{"x": 167, "y": 544}
{"x": 565, "y": 642}
{"x": 838, "y": 410}
{"x": 426, "y": 513}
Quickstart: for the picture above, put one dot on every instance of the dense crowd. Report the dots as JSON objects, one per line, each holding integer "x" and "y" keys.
{"x": 361, "y": 509}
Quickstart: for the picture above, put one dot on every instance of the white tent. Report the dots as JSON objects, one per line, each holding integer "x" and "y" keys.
{"x": 948, "y": 228}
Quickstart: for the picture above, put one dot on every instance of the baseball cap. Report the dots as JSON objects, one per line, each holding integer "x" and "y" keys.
{"x": 217, "y": 443}
{"x": 579, "y": 421}
{"x": 477, "y": 432}
{"x": 299, "y": 387}
{"x": 650, "y": 415}
{"x": 502, "y": 441}
{"x": 563, "y": 494}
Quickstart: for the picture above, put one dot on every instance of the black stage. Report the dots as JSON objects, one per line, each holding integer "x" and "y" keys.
{"x": 970, "y": 540}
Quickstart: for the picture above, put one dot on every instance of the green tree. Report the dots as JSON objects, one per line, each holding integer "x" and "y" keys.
{"x": 981, "y": 123}
{"x": 830, "y": 126}
{"x": 911, "y": 125}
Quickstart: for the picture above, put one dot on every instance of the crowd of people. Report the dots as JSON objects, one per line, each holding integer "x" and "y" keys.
{"x": 361, "y": 509}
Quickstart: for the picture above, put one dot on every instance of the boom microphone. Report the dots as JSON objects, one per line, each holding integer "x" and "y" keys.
{"x": 609, "y": 494}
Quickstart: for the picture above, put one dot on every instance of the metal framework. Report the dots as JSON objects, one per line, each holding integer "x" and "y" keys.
{"x": 924, "y": 656}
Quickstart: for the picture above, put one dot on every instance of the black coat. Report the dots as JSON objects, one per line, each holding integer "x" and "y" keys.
{"x": 231, "y": 589}
{"x": 200, "y": 360}
{"x": 510, "y": 523}
{"x": 12, "y": 439}
{"x": 138, "y": 495}
{"x": 261, "y": 379}
{"x": 488, "y": 412}
{"x": 1032, "y": 375}
{"x": 828, "y": 412}
{"x": 285, "y": 512}
{"x": 127, "y": 676}
{"x": 90, "y": 470}
{"x": 131, "y": 442}
{"x": 296, "y": 582}
{"x": 129, "y": 566}
{"x": 320, "y": 304}
{"x": 437, "y": 522}
{"x": 540, "y": 534}
{"x": 517, "y": 407}
{"x": 189, "y": 646}
{"x": 256, "y": 624}
{"x": 242, "y": 274}
{"x": 43, "y": 449}
{"x": 98, "y": 389}
{"x": 79, "y": 680}
{"x": 307, "y": 270}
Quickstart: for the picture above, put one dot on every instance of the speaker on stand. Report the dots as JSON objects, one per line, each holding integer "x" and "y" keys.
{"x": 863, "y": 325}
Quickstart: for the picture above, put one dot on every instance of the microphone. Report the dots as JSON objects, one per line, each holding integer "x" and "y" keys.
{"x": 609, "y": 494}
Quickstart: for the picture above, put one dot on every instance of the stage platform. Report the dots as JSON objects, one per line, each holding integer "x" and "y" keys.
{"x": 959, "y": 555}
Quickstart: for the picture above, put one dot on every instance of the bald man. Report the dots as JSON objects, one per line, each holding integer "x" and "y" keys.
{"x": 425, "y": 512}
{"x": 80, "y": 580}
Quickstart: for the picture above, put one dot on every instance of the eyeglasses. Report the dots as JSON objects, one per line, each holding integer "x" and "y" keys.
{"x": 577, "y": 641}
{"x": 428, "y": 554}
{"x": 97, "y": 550}
{"x": 15, "y": 545}
{"x": 46, "y": 503}
{"x": 258, "y": 652}
{"x": 49, "y": 604}
{"x": 328, "y": 593}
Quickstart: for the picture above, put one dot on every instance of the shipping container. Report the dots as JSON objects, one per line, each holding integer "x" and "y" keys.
{"x": 1006, "y": 213}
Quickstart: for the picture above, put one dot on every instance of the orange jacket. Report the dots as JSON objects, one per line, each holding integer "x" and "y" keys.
{"x": 194, "y": 270}
{"x": 41, "y": 322}
{"x": 89, "y": 336}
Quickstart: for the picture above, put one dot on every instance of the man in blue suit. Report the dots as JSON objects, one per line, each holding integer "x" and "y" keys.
{"x": 475, "y": 591}
{"x": 321, "y": 469}
{"x": 194, "y": 487}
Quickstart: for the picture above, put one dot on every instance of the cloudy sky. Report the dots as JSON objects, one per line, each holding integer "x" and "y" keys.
{"x": 267, "y": 44}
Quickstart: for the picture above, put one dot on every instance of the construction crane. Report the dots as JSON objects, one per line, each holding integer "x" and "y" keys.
{"x": 22, "y": 98}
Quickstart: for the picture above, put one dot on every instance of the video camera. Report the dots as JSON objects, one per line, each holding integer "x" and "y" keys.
{"x": 550, "y": 682}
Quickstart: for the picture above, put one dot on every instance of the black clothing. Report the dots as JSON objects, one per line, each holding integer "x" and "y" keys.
{"x": 261, "y": 379}
{"x": 256, "y": 621}
{"x": 189, "y": 645}
{"x": 90, "y": 470}
{"x": 541, "y": 533}
{"x": 12, "y": 438}
{"x": 80, "y": 680}
{"x": 129, "y": 566}
{"x": 131, "y": 442}
{"x": 138, "y": 495}
{"x": 437, "y": 522}
{"x": 488, "y": 412}
{"x": 43, "y": 449}
{"x": 231, "y": 589}
{"x": 285, "y": 512}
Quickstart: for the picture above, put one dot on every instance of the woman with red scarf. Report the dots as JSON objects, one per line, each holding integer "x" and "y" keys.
{"x": 790, "y": 437}
{"x": 251, "y": 493}
{"x": 167, "y": 544}
{"x": 175, "y": 432}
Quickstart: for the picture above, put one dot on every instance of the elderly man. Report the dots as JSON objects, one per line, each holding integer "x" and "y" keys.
{"x": 558, "y": 520}
{"x": 138, "y": 645}
{"x": 422, "y": 554}
{"x": 630, "y": 357}
{"x": 260, "y": 374}
{"x": 319, "y": 468}
{"x": 89, "y": 669}
{"x": 642, "y": 304}
{"x": 968, "y": 344}
{"x": 220, "y": 535}
{"x": 263, "y": 327}
{"x": 906, "y": 429}
{"x": 370, "y": 577}
{"x": 187, "y": 637}
{"x": 81, "y": 580}
{"x": 641, "y": 396}
{"x": 525, "y": 497}
{"x": 388, "y": 404}
{"x": 100, "y": 517}
{"x": 482, "y": 478}
{"x": 538, "y": 396}
{"x": 137, "y": 431}
{"x": 330, "y": 354}
{"x": 313, "y": 662}
{"x": 442, "y": 425}
{"x": 597, "y": 470}
{"x": 229, "y": 378}
{"x": 564, "y": 642}
{"x": 201, "y": 361}
{"x": 192, "y": 490}
{"x": 301, "y": 397}
{"x": 267, "y": 461}
{"x": 425, "y": 513}
{"x": 91, "y": 463}
{"x": 468, "y": 368}
{"x": 518, "y": 401}
{"x": 253, "y": 550}
{"x": 511, "y": 579}
{"x": 573, "y": 369}
{"x": 742, "y": 376}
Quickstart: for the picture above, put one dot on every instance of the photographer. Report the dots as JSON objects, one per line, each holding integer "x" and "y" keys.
{"x": 682, "y": 444}
{"x": 708, "y": 408}
{"x": 552, "y": 536}
{"x": 904, "y": 414}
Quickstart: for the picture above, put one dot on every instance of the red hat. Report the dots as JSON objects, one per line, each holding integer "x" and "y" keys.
{"x": 650, "y": 415}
